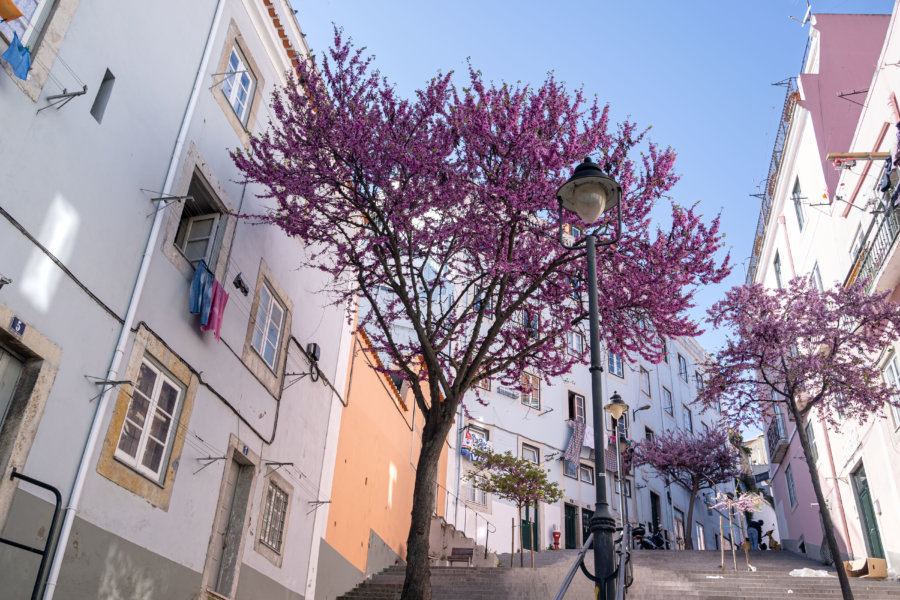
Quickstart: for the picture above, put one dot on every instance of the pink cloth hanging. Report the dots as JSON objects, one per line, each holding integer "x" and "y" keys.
{"x": 216, "y": 309}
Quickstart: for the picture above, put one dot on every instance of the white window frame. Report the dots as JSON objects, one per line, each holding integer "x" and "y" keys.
{"x": 33, "y": 24}
{"x": 570, "y": 466}
{"x": 477, "y": 432}
{"x": 586, "y": 474}
{"x": 272, "y": 525}
{"x": 700, "y": 383}
{"x": 811, "y": 437}
{"x": 267, "y": 320}
{"x": 231, "y": 87}
{"x": 578, "y": 404}
{"x": 621, "y": 424}
{"x": 136, "y": 461}
{"x": 616, "y": 366}
{"x": 891, "y": 374}
{"x": 856, "y": 244}
{"x": 687, "y": 419}
{"x": 797, "y": 197}
{"x": 532, "y": 399}
{"x": 210, "y": 239}
{"x": 477, "y": 496}
{"x": 533, "y": 451}
{"x": 789, "y": 482}
{"x": 682, "y": 368}
{"x": 649, "y": 434}
{"x": 645, "y": 381}
{"x": 619, "y": 486}
{"x": 667, "y": 401}
{"x": 816, "y": 277}
{"x": 575, "y": 343}
{"x": 665, "y": 350}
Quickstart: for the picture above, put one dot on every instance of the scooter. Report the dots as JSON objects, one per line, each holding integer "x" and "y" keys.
{"x": 654, "y": 542}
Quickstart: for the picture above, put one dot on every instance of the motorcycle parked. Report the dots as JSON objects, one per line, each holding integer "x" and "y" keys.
{"x": 653, "y": 542}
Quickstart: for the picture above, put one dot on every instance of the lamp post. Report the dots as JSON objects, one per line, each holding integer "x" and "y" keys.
{"x": 589, "y": 193}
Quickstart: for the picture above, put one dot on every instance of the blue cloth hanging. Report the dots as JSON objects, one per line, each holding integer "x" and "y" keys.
{"x": 19, "y": 57}
{"x": 201, "y": 292}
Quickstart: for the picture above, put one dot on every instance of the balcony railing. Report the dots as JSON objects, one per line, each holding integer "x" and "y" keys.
{"x": 777, "y": 439}
{"x": 875, "y": 248}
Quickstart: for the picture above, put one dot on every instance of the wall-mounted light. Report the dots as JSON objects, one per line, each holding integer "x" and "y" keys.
{"x": 4, "y": 280}
{"x": 240, "y": 285}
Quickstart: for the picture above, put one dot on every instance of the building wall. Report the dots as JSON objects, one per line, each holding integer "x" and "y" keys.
{"x": 83, "y": 189}
{"x": 511, "y": 424}
{"x": 374, "y": 475}
{"x": 829, "y": 240}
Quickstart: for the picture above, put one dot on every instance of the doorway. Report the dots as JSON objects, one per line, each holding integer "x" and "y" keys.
{"x": 571, "y": 527}
{"x": 867, "y": 512}
{"x": 10, "y": 369}
{"x": 655, "y": 512}
{"x": 701, "y": 538}
{"x": 679, "y": 529}
{"x": 530, "y": 528}
{"x": 586, "y": 516}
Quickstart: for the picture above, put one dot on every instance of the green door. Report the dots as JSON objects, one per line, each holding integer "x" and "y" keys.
{"x": 586, "y": 516}
{"x": 530, "y": 528}
{"x": 571, "y": 527}
{"x": 869, "y": 524}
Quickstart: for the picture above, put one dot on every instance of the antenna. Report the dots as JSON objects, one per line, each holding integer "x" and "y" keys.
{"x": 805, "y": 17}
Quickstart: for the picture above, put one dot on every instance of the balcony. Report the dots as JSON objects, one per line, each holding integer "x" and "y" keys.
{"x": 777, "y": 439}
{"x": 876, "y": 248}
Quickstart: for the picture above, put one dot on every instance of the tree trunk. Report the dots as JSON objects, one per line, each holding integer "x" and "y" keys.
{"x": 521, "y": 540}
{"x": 823, "y": 508}
{"x": 417, "y": 582}
{"x": 689, "y": 527}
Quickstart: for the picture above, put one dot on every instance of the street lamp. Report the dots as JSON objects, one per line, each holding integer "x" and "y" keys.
{"x": 589, "y": 193}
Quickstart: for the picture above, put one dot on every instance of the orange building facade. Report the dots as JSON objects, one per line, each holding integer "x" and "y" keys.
{"x": 374, "y": 474}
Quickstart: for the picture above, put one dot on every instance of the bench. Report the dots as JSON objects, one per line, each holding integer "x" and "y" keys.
{"x": 461, "y": 555}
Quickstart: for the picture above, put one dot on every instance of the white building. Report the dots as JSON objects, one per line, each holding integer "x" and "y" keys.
{"x": 827, "y": 217}
{"x": 539, "y": 426}
{"x": 206, "y": 464}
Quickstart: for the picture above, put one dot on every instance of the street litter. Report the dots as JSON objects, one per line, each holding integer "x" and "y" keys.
{"x": 810, "y": 573}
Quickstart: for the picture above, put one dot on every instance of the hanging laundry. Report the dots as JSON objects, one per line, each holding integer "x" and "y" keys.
{"x": 201, "y": 292}
{"x": 19, "y": 57}
{"x": 896, "y": 156}
{"x": 216, "y": 310}
{"x": 885, "y": 183}
{"x": 9, "y": 11}
{"x": 589, "y": 436}
{"x": 573, "y": 450}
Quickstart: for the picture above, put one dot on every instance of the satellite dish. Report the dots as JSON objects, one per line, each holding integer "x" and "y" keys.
{"x": 805, "y": 17}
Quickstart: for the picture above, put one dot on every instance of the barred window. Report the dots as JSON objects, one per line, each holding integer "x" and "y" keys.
{"x": 272, "y": 532}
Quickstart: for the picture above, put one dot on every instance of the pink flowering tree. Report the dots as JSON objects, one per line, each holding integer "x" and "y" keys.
{"x": 799, "y": 349}
{"x": 436, "y": 216}
{"x": 697, "y": 462}
{"x": 519, "y": 480}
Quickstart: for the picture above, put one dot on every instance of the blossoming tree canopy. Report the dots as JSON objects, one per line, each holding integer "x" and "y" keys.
{"x": 436, "y": 216}
{"x": 801, "y": 348}
{"x": 697, "y": 462}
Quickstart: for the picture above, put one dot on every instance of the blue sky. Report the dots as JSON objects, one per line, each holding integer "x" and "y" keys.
{"x": 698, "y": 72}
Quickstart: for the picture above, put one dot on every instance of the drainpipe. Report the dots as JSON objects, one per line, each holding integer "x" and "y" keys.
{"x": 112, "y": 374}
{"x": 787, "y": 245}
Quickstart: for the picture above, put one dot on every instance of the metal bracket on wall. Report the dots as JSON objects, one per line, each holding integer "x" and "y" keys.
{"x": 105, "y": 382}
{"x": 316, "y": 504}
{"x": 209, "y": 460}
{"x": 226, "y": 74}
{"x": 57, "y": 101}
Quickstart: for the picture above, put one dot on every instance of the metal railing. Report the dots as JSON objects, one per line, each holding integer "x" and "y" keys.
{"x": 489, "y": 526}
{"x": 622, "y": 572}
{"x": 875, "y": 248}
{"x": 776, "y": 438}
{"x": 45, "y": 553}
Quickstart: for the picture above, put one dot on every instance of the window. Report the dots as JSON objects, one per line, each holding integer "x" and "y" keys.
{"x": 479, "y": 433}
{"x": 484, "y": 383}
{"x": 239, "y": 84}
{"x": 147, "y": 431}
{"x": 531, "y": 397}
{"x": 687, "y": 419}
{"x": 627, "y": 487}
{"x": 29, "y": 26}
{"x": 776, "y": 265}
{"x": 856, "y": 244}
{"x": 705, "y": 428}
{"x": 620, "y": 424}
{"x": 816, "y": 277}
{"x": 891, "y": 375}
{"x": 648, "y": 434}
{"x": 811, "y": 436}
{"x": 199, "y": 234}
{"x": 267, "y": 329}
{"x": 615, "y": 365}
{"x": 576, "y": 231}
{"x": 665, "y": 352}
{"x": 531, "y": 453}
{"x": 797, "y": 197}
{"x": 532, "y": 322}
{"x": 478, "y": 300}
{"x": 667, "y": 401}
{"x": 700, "y": 382}
{"x": 477, "y": 496}
{"x": 586, "y": 474}
{"x": 682, "y": 368}
{"x": 570, "y": 469}
{"x": 789, "y": 480}
{"x": 273, "y": 519}
{"x": 575, "y": 342}
{"x": 645, "y": 381}
{"x": 576, "y": 407}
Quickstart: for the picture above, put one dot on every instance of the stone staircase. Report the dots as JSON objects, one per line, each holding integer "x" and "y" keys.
{"x": 657, "y": 575}
{"x": 444, "y": 537}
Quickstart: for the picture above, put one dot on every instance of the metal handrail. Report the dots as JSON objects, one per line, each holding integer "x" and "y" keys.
{"x": 46, "y": 551}
{"x": 624, "y": 559}
{"x": 578, "y": 562}
{"x": 489, "y": 526}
